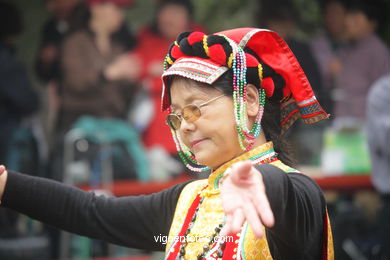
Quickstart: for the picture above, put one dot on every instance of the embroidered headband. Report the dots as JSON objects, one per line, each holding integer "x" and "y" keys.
{"x": 204, "y": 58}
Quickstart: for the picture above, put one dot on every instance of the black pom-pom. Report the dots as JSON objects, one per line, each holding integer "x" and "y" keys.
{"x": 267, "y": 70}
{"x": 252, "y": 76}
{"x": 278, "y": 80}
{"x": 215, "y": 39}
{"x": 186, "y": 48}
{"x": 279, "y": 83}
{"x": 170, "y": 49}
{"x": 183, "y": 35}
{"x": 198, "y": 50}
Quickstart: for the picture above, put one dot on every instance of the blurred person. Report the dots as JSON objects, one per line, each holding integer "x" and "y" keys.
{"x": 66, "y": 16}
{"x": 283, "y": 18}
{"x": 18, "y": 98}
{"x": 327, "y": 44}
{"x": 364, "y": 60}
{"x": 88, "y": 86}
{"x": 171, "y": 18}
{"x": 378, "y": 131}
{"x": 92, "y": 92}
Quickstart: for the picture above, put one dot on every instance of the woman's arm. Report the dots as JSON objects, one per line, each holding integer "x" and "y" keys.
{"x": 299, "y": 208}
{"x": 135, "y": 221}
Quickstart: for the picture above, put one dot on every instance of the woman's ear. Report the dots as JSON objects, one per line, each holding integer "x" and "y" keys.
{"x": 252, "y": 100}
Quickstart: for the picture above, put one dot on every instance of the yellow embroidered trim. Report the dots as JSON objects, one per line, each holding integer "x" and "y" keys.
{"x": 230, "y": 60}
{"x": 284, "y": 167}
{"x": 168, "y": 59}
{"x": 205, "y": 47}
{"x": 209, "y": 192}
{"x": 245, "y": 156}
{"x": 187, "y": 196}
{"x": 260, "y": 69}
{"x": 330, "y": 248}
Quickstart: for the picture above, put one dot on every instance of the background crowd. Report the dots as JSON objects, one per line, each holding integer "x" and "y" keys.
{"x": 80, "y": 93}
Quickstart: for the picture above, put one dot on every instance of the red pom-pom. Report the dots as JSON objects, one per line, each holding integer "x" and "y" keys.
{"x": 195, "y": 37}
{"x": 268, "y": 85}
{"x": 217, "y": 54}
{"x": 176, "y": 52}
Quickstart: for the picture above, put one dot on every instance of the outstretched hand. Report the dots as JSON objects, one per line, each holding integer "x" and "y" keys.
{"x": 244, "y": 199}
{"x": 3, "y": 179}
{"x": 2, "y": 169}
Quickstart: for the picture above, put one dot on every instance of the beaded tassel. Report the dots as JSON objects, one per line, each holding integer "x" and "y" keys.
{"x": 239, "y": 98}
{"x": 185, "y": 154}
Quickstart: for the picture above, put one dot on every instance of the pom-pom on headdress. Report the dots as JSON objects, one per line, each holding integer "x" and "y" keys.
{"x": 255, "y": 56}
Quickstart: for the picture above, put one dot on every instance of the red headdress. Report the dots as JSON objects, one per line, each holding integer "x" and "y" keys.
{"x": 255, "y": 56}
{"x": 205, "y": 58}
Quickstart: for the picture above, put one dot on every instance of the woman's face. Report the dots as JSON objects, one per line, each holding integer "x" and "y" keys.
{"x": 110, "y": 15}
{"x": 358, "y": 25}
{"x": 173, "y": 19}
{"x": 334, "y": 17}
{"x": 213, "y": 137}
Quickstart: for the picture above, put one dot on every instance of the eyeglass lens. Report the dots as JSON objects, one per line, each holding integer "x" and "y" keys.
{"x": 190, "y": 113}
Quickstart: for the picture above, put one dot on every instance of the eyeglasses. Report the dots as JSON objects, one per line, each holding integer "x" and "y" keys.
{"x": 190, "y": 113}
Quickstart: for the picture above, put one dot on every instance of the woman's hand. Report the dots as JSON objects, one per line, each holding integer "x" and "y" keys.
{"x": 125, "y": 67}
{"x": 3, "y": 179}
{"x": 244, "y": 199}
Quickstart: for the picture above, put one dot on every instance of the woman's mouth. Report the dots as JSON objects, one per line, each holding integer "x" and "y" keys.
{"x": 196, "y": 143}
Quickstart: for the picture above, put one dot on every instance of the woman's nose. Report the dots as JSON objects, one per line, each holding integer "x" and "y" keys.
{"x": 186, "y": 126}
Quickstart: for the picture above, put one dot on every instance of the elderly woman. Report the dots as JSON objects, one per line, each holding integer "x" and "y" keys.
{"x": 231, "y": 96}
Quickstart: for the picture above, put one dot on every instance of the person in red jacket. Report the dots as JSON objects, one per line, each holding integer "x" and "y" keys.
{"x": 172, "y": 18}
{"x": 146, "y": 62}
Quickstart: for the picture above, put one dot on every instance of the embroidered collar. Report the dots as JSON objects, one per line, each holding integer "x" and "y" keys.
{"x": 259, "y": 155}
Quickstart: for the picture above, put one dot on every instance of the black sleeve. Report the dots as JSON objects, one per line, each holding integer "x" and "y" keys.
{"x": 133, "y": 221}
{"x": 299, "y": 208}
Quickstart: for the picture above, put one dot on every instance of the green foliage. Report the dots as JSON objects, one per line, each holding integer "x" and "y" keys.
{"x": 219, "y": 15}
{"x": 309, "y": 16}
{"x": 141, "y": 13}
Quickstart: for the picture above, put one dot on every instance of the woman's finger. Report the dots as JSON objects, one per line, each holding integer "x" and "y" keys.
{"x": 253, "y": 219}
{"x": 241, "y": 171}
{"x": 227, "y": 228}
{"x": 263, "y": 209}
{"x": 238, "y": 220}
